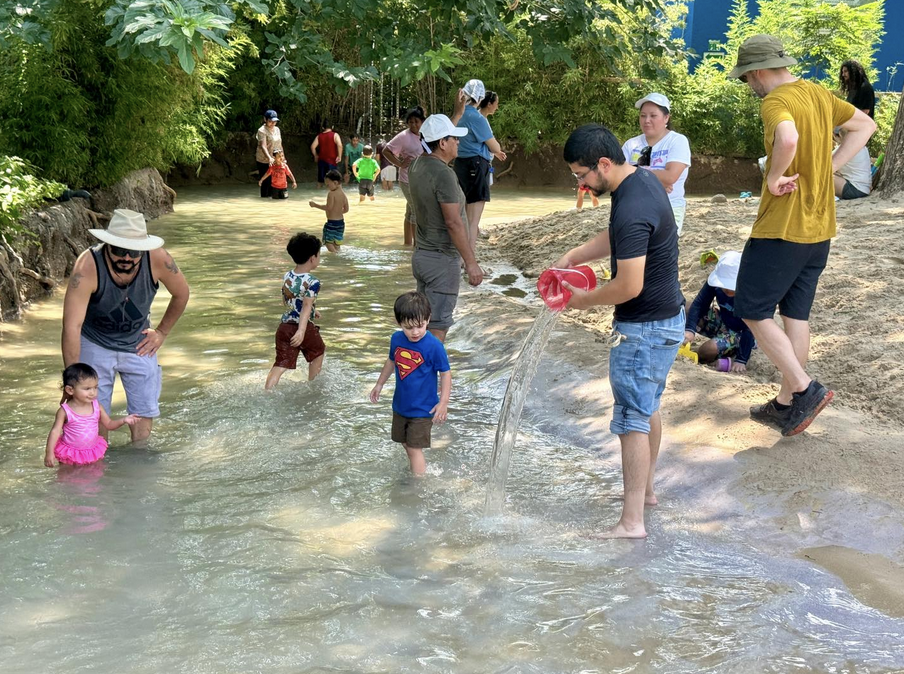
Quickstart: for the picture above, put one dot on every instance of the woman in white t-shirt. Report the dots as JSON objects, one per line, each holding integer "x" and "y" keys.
{"x": 661, "y": 150}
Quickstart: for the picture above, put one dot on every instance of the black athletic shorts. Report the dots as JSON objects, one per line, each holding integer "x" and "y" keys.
{"x": 778, "y": 272}
{"x": 474, "y": 177}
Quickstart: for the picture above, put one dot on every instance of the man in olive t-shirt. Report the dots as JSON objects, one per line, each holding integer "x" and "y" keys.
{"x": 441, "y": 241}
{"x": 789, "y": 245}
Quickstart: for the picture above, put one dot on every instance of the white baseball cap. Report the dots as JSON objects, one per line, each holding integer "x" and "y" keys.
{"x": 440, "y": 126}
{"x": 475, "y": 89}
{"x": 725, "y": 275}
{"x": 658, "y": 99}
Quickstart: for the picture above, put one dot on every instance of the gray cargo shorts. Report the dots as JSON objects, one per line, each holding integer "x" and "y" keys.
{"x": 438, "y": 276}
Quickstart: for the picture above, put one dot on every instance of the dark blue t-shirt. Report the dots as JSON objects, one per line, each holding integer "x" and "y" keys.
{"x": 642, "y": 223}
{"x": 416, "y": 367}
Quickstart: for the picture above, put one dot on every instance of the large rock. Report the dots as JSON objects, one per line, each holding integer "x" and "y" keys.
{"x": 143, "y": 191}
{"x": 32, "y": 264}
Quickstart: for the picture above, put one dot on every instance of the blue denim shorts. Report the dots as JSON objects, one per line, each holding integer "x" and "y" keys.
{"x": 638, "y": 369}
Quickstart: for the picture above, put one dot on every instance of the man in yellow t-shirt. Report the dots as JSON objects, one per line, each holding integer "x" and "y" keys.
{"x": 789, "y": 245}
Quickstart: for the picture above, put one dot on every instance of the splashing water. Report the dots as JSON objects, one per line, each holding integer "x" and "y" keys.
{"x": 523, "y": 373}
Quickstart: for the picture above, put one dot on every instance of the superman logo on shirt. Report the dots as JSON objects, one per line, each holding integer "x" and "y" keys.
{"x": 407, "y": 361}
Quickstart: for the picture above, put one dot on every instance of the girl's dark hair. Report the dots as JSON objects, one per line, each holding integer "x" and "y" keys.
{"x": 490, "y": 98}
{"x": 325, "y": 124}
{"x": 857, "y": 75}
{"x": 416, "y": 111}
{"x": 77, "y": 372}
{"x": 412, "y": 307}
{"x": 302, "y": 247}
{"x": 589, "y": 143}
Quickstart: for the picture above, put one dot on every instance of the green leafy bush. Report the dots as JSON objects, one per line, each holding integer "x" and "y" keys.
{"x": 20, "y": 191}
{"x": 86, "y": 116}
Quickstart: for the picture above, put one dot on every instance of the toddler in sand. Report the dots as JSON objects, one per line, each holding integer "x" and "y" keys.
{"x": 728, "y": 334}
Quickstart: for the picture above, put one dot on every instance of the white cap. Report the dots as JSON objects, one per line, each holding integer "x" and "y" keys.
{"x": 440, "y": 126}
{"x": 658, "y": 99}
{"x": 725, "y": 275}
{"x": 475, "y": 89}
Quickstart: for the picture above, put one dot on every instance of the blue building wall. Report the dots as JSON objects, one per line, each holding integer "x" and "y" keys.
{"x": 708, "y": 20}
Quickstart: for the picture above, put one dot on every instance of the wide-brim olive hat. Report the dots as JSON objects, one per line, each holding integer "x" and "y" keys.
{"x": 761, "y": 52}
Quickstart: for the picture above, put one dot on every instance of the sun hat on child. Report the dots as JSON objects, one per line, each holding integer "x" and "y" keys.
{"x": 725, "y": 275}
{"x": 440, "y": 126}
{"x": 475, "y": 89}
{"x": 761, "y": 52}
{"x": 128, "y": 229}
{"x": 658, "y": 99}
{"x": 270, "y": 116}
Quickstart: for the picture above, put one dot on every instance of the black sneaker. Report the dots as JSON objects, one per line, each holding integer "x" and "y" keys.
{"x": 769, "y": 414}
{"x": 805, "y": 406}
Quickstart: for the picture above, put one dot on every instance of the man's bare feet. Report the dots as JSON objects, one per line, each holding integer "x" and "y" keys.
{"x": 620, "y": 530}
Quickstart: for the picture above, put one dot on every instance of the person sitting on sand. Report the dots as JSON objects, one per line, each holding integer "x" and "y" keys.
{"x": 728, "y": 335}
{"x": 854, "y": 180}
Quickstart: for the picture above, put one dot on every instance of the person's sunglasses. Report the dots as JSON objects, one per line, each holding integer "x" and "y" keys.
{"x": 743, "y": 79}
{"x": 584, "y": 176}
{"x": 455, "y": 138}
{"x": 125, "y": 252}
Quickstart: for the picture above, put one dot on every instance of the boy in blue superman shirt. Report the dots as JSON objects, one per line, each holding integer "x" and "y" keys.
{"x": 417, "y": 356}
{"x": 728, "y": 334}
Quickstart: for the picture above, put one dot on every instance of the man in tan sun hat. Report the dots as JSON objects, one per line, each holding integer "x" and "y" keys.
{"x": 789, "y": 245}
{"x": 106, "y": 313}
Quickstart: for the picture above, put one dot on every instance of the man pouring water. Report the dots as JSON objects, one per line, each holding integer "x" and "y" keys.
{"x": 648, "y": 329}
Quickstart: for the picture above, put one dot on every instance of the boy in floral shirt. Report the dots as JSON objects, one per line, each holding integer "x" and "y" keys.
{"x": 296, "y": 332}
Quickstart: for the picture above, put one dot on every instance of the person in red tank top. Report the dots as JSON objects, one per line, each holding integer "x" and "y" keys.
{"x": 327, "y": 151}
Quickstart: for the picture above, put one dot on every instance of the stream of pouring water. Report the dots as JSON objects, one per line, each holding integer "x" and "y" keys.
{"x": 523, "y": 373}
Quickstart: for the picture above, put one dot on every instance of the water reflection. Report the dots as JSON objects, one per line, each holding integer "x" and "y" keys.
{"x": 281, "y": 533}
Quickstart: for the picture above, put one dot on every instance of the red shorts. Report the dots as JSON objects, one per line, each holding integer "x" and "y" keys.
{"x": 312, "y": 346}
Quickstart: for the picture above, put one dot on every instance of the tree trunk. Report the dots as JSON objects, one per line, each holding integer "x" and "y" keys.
{"x": 891, "y": 178}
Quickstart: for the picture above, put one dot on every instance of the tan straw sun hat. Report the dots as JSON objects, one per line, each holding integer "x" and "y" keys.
{"x": 761, "y": 52}
{"x": 128, "y": 229}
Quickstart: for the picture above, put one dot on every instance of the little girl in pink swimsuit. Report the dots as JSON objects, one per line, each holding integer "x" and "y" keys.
{"x": 74, "y": 438}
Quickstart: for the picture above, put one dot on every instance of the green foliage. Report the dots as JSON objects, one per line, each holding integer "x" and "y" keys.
{"x": 20, "y": 191}
{"x": 822, "y": 35}
{"x": 721, "y": 116}
{"x": 886, "y": 111}
{"x": 88, "y": 117}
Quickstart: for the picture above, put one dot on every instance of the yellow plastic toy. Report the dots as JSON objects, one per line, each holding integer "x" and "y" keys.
{"x": 685, "y": 351}
{"x": 708, "y": 256}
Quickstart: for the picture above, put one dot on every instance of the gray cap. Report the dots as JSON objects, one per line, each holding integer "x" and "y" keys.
{"x": 761, "y": 52}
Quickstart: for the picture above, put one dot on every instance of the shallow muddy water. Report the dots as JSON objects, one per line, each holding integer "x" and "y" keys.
{"x": 282, "y": 533}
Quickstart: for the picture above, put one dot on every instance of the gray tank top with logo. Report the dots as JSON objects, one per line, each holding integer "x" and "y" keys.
{"x": 116, "y": 315}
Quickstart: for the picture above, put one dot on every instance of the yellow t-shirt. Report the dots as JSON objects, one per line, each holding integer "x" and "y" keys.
{"x": 806, "y": 215}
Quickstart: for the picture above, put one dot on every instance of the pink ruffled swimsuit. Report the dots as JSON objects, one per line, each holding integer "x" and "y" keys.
{"x": 80, "y": 443}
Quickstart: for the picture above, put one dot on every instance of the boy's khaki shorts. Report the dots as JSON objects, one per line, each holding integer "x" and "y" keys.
{"x": 414, "y": 432}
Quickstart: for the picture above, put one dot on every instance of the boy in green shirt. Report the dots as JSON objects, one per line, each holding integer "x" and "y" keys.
{"x": 366, "y": 170}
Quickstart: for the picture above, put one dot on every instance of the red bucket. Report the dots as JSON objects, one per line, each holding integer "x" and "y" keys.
{"x": 554, "y": 294}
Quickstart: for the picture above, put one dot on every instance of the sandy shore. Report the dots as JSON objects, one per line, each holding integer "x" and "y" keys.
{"x": 836, "y": 487}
